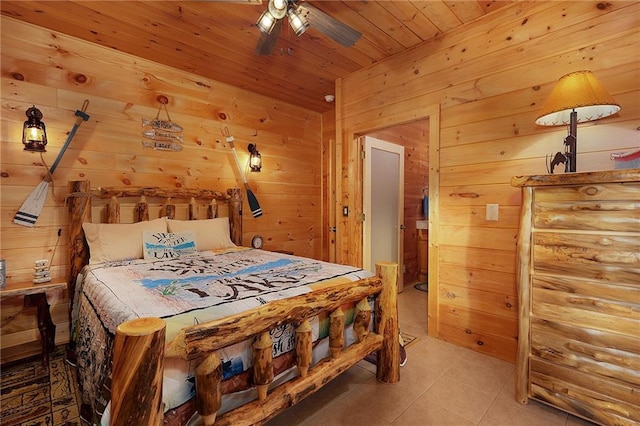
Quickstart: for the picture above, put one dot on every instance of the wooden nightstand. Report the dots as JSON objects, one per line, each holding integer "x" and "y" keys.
{"x": 35, "y": 296}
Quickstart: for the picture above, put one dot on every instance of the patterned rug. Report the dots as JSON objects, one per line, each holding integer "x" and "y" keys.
{"x": 422, "y": 287}
{"x": 408, "y": 339}
{"x": 35, "y": 395}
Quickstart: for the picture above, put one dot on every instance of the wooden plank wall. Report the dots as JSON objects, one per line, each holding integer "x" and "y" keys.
{"x": 56, "y": 73}
{"x": 490, "y": 81}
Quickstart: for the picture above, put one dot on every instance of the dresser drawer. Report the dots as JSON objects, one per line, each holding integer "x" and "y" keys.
{"x": 601, "y": 399}
{"x": 614, "y": 207}
{"x": 613, "y": 258}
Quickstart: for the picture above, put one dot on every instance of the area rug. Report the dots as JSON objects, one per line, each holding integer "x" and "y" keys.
{"x": 408, "y": 339}
{"x": 35, "y": 395}
{"x": 422, "y": 287}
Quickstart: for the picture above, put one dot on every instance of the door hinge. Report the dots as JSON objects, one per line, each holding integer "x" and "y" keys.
{"x": 362, "y": 217}
{"x": 362, "y": 155}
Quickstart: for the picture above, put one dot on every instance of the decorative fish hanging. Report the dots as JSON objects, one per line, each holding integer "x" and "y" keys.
{"x": 168, "y": 126}
{"x": 159, "y": 135}
{"x": 163, "y": 135}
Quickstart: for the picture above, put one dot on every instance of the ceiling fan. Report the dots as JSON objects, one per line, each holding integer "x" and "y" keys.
{"x": 300, "y": 17}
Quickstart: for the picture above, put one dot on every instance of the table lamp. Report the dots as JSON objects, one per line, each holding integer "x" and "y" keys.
{"x": 577, "y": 97}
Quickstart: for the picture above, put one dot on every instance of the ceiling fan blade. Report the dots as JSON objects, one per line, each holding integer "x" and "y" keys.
{"x": 340, "y": 32}
{"x": 267, "y": 42}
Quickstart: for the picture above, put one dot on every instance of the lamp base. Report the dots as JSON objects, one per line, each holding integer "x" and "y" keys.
{"x": 34, "y": 146}
{"x": 570, "y": 154}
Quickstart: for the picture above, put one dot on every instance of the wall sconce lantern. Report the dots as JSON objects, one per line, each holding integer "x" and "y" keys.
{"x": 255, "y": 159}
{"x": 576, "y": 98}
{"x": 34, "y": 134}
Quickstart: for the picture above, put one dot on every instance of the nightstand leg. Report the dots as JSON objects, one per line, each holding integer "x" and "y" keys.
{"x": 45, "y": 324}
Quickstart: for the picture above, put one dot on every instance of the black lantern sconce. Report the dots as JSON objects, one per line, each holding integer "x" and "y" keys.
{"x": 255, "y": 159}
{"x": 34, "y": 134}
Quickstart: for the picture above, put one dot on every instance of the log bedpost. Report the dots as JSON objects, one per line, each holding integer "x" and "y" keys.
{"x": 235, "y": 215}
{"x": 208, "y": 394}
{"x": 169, "y": 209}
{"x": 386, "y": 320}
{"x": 113, "y": 210}
{"x": 263, "y": 364}
{"x": 79, "y": 207}
{"x": 336, "y": 332}
{"x": 193, "y": 209}
{"x": 362, "y": 319}
{"x": 212, "y": 209}
{"x": 142, "y": 210}
{"x": 138, "y": 364}
{"x": 304, "y": 347}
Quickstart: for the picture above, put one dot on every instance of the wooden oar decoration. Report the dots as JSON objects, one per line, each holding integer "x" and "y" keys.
{"x": 256, "y": 210}
{"x": 30, "y": 210}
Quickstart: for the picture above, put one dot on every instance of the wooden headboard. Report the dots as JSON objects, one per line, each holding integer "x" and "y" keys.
{"x": 82, "y": 197}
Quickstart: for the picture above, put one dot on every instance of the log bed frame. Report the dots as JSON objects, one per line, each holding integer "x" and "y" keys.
{"x": 140, "y": 347}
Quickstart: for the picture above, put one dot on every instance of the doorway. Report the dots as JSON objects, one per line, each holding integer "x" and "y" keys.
{"x": 349, "y": 186}
{"x": 383, "y": 204}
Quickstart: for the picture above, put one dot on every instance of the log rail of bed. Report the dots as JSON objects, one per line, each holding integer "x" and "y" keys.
{"x": 79, "y": 204}
{"x": 138, "y": 364}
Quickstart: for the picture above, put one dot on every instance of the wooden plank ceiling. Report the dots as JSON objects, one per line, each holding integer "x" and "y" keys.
{"x": 216, "y": 39}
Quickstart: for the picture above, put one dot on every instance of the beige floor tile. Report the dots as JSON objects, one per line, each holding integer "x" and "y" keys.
{"x": 481, "y": 372}
{"x": 508, "y": 413}
{"x": 437, "y": 355}
{"x": 387, "y": 401}
{"x": 412, "y": 308}
{"x": 425, "y": 412}
{"x": 468, "y": 402}
{"x": 356, "y": 408}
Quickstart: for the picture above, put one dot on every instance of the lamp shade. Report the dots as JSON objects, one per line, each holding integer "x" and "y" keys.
{"x": 580, "y": 91}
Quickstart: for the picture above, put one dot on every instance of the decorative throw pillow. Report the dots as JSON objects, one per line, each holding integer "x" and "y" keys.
{"x": 211, "y": 234}
{"x": 111, "y": 242}
{"x": 167, "y": 245}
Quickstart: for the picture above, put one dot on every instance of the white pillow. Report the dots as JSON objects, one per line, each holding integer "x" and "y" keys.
{"x": 211, "y": 234}
{"x": 118, "y": 241}
{"x": 167, "y": 245}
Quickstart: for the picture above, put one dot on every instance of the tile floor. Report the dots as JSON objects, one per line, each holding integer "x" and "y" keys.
{"x": 442, "y": 384}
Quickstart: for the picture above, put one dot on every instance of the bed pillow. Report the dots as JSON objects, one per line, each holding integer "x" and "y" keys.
{"x": 118, "y": 241}
{"x": 167, "y": 245}
{"x": 211, "y": 234}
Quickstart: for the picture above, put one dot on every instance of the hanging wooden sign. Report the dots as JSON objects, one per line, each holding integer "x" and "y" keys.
{"x": 163, "y": 135}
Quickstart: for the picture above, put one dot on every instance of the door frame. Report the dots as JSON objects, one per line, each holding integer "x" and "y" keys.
{"x": 349, "y": 184}
{"x": 366, "y": 203}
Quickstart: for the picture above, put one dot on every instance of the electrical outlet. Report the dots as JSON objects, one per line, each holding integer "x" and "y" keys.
{"x": 492, "y": 212}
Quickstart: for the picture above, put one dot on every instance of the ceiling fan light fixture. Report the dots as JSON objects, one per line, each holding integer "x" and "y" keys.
{"x": 298, "y": 22}
{"x": 277, "y": 8}
{"x": 266, "y": 22}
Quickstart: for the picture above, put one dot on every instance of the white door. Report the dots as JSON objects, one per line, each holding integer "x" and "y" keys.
{"x": 383, "y": 200}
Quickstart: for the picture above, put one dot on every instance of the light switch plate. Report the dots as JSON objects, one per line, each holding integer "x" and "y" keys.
{"x": 492, "y": 212}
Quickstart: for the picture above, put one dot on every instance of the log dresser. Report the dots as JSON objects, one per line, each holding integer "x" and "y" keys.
{"x": 579, "y": 293}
